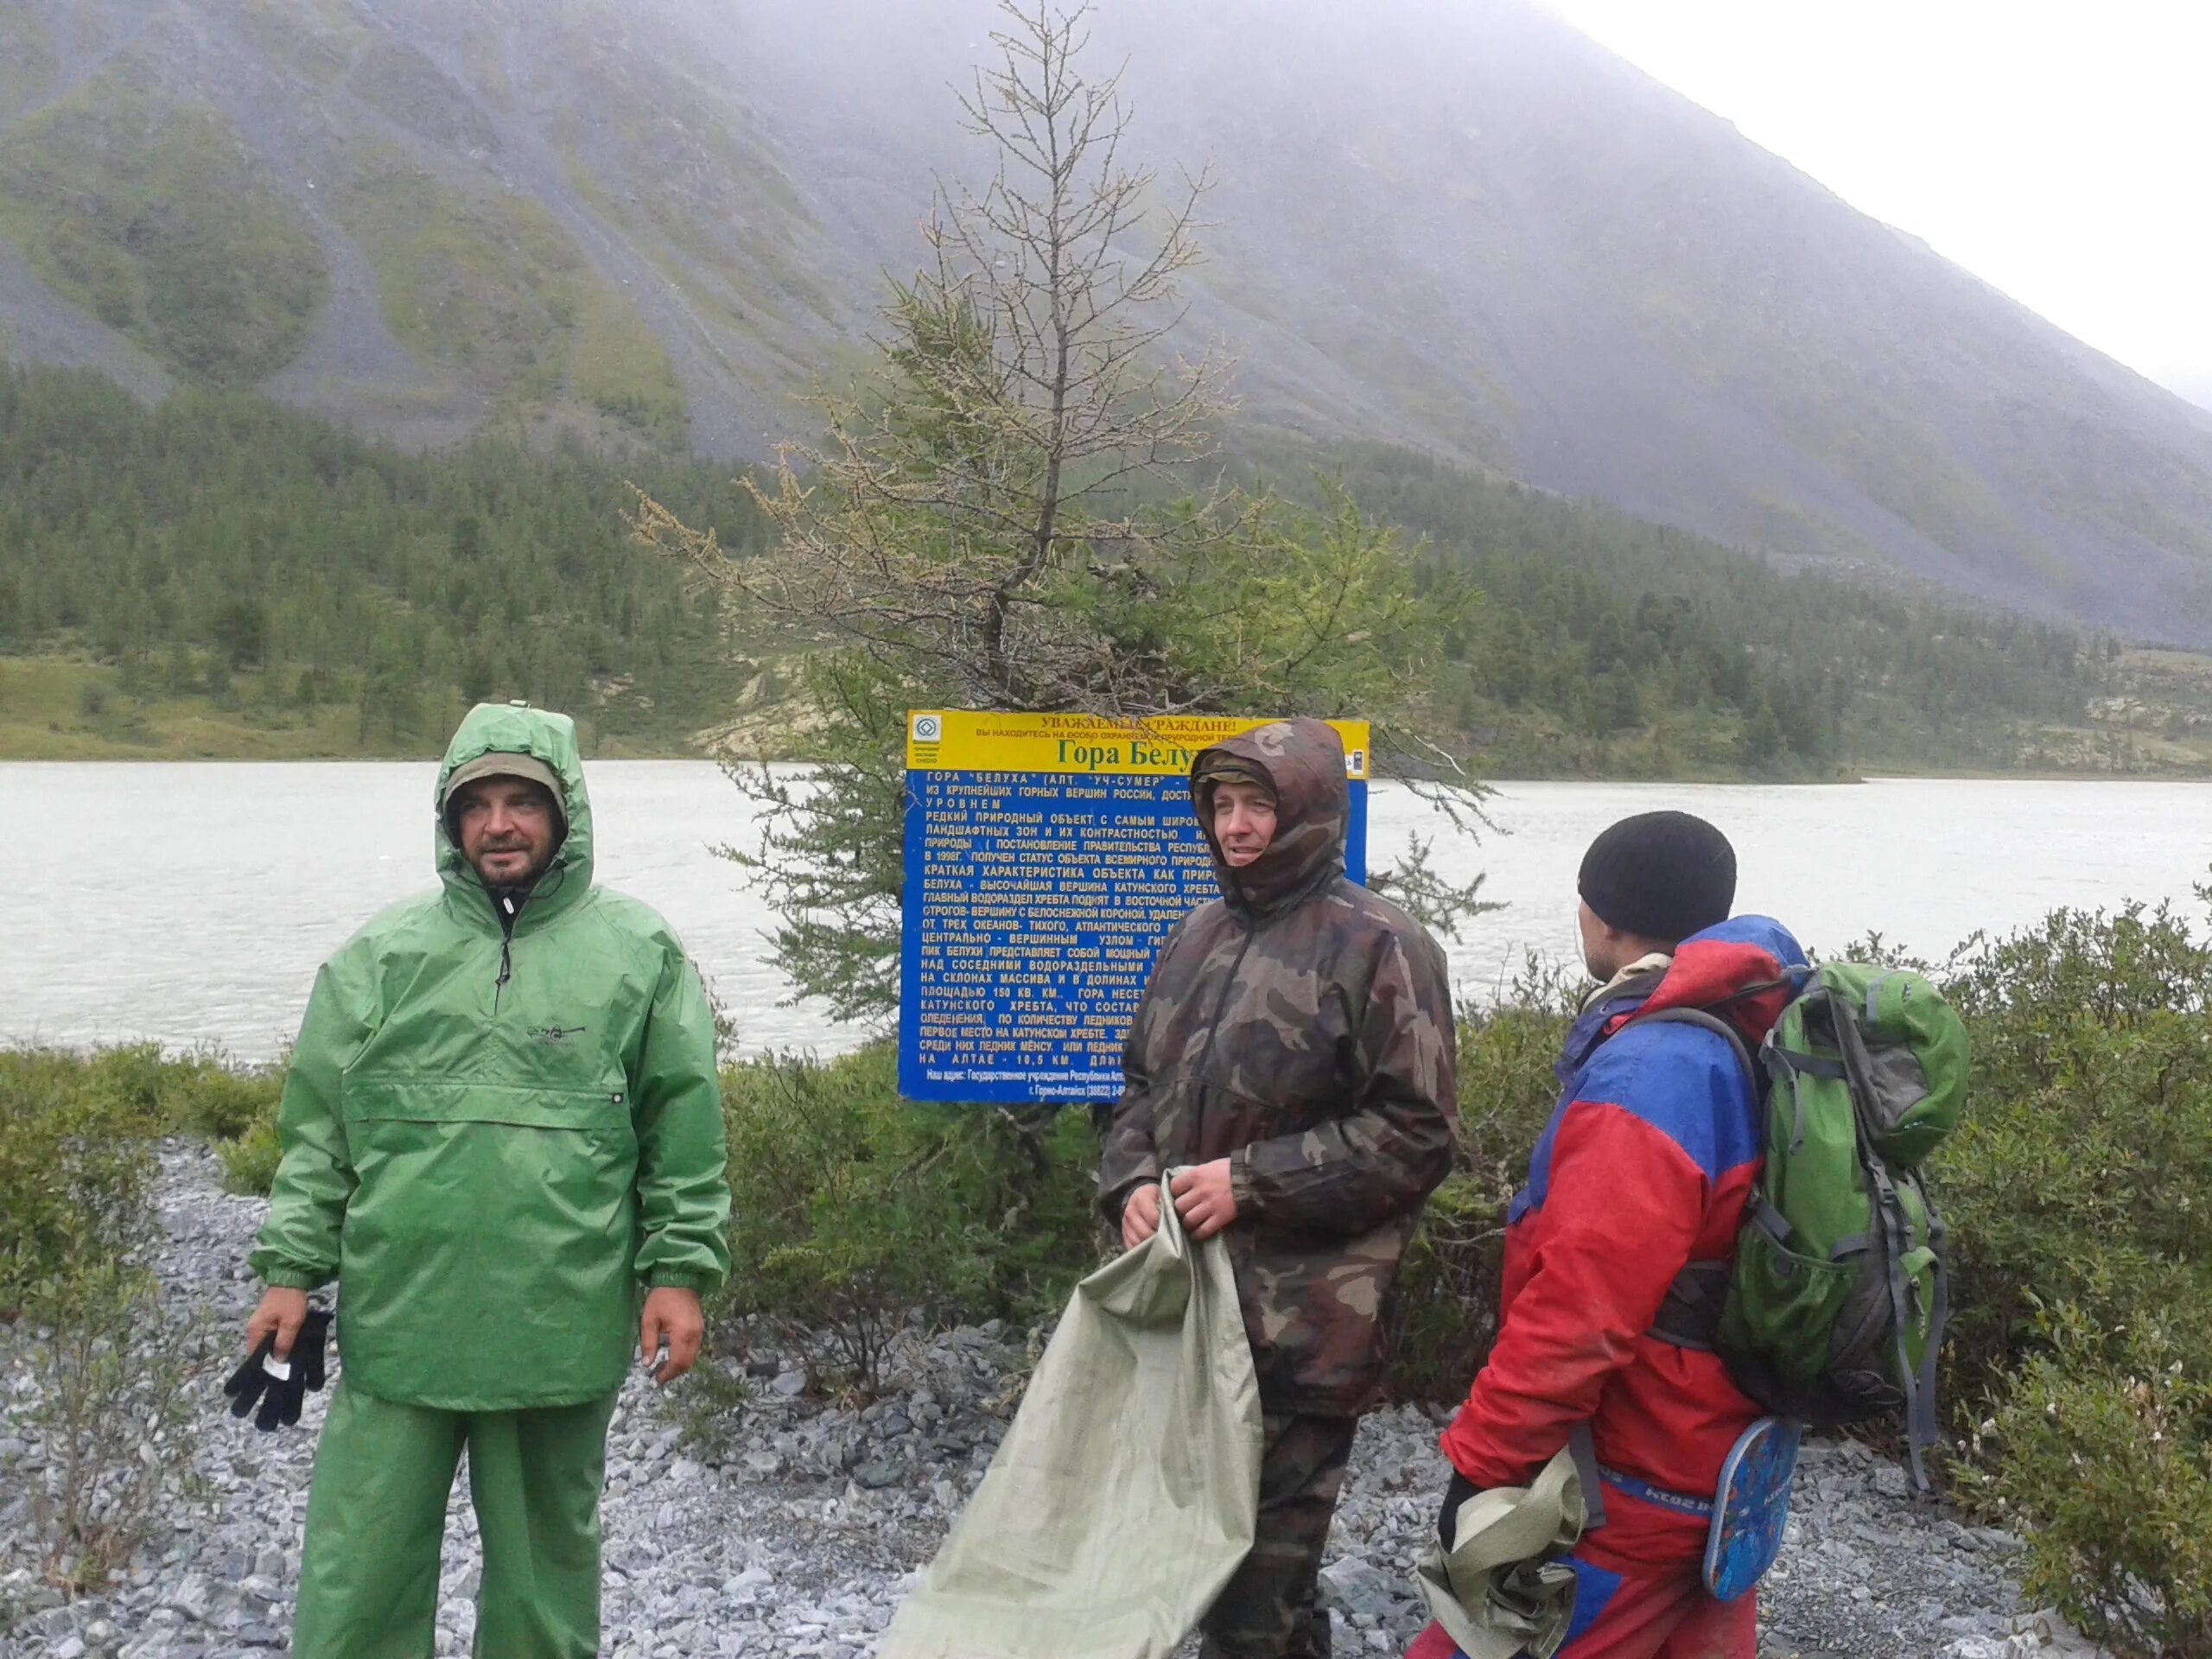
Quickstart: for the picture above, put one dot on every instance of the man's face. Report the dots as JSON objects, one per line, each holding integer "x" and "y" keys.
{"x": 1244, "y": 821}
{"x": 507, "y": 830}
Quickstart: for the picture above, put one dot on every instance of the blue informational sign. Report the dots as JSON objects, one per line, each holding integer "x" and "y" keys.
{"x": 1047, "y": 858}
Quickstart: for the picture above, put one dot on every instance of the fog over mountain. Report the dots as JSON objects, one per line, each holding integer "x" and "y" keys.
{"x": 1454, "y": 224}
{"x": 2197, "y": 388}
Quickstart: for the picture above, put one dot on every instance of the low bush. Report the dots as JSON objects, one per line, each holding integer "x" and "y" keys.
{"x": 1442, "y": 1315}
{"x": 84, "y": 1124}
{"x": 207, "y": 1096}
{"x": 706, "y": 1404}
{"x": 2079, "y": 1194}
{"x": 855, "y": 1212}
{"x": 104, "y": 1369}
{"x": 2104, "y": 1443}
{"x": 249, "y": 1163}
{"x": 76, "y": 1167}
{"x": 116, "y": 1387}
{"x": 2083, "y": 1170}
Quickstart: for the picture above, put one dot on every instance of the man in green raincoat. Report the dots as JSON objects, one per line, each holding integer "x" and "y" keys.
{"x": 502, "y": 1137}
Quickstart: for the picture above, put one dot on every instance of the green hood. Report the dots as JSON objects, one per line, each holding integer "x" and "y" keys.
{"x": 517, "y": 728}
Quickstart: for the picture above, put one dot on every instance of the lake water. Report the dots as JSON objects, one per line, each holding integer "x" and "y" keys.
{"x": 190, "y": 903}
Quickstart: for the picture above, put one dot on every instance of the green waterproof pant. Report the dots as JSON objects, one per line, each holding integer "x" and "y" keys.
{"x": 376, "y": 1515}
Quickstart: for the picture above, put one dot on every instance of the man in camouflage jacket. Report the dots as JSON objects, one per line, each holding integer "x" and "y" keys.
{"x": 1293, "y": 1058}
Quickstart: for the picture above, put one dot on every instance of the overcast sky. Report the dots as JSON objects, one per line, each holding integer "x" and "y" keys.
{"x": 2061, "y": 150}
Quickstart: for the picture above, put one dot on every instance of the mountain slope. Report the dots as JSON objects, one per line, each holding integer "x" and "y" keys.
{"x": 1458, "y": 225}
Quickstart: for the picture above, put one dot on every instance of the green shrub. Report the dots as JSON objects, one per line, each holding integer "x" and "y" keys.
{"x": 707, "y": 1405}
{"x": 2105, "y": 1441}
{"x": 130, "y": 1080}
{"x": 208, "y": 1096}
{"x": 2079, "y": 1193}
{"x": 854, "y": 1210}
{"x": 76, "y": 1133}
{"x": 76, "y": 1167}
{"x": 117, "y": 1397}
{"x": 249, "y": 1163}
{"x": 110, "y": 1371}
{"x": 2082, "y": 1172}
{"x": 1444, "y": 1313}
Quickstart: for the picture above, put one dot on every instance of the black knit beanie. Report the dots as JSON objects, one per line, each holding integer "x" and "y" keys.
{"x": 1665, "y": 875}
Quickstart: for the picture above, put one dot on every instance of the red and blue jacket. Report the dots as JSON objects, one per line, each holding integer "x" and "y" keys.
{"x": 1649, "y": 1157}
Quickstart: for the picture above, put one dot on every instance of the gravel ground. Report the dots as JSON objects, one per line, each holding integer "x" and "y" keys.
{"x": 788, "y": 1530}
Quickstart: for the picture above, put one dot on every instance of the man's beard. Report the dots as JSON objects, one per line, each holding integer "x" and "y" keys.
{"x": 519, "y": 883}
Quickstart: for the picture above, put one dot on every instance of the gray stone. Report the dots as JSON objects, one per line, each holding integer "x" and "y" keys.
{"x": 1361, "y": 1590}
{"x": 192, "y": 1596}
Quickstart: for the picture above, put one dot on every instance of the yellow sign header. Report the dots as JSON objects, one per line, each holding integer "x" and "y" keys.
{"x": 960, "y": 740}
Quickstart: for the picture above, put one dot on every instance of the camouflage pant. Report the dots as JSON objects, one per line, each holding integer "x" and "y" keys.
{"x": 1268, "y": 1609}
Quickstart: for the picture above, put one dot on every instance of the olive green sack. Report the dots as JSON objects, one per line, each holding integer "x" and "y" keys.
{"x": 1126, "y": 1493}
{"x": 1833, "y": 1311}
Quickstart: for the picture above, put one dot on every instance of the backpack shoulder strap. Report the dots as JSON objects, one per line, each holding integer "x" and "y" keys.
{"x": 1710, "y": 1022}
{"x": 1690, "y": 1317}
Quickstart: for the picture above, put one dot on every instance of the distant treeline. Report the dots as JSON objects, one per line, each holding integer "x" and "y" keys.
{"x": 1610, "y": 645}
{"x": 220, "y": 543}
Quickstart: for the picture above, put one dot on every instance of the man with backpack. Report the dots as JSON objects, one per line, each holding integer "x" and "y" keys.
{"x": 1647, "y": 1166}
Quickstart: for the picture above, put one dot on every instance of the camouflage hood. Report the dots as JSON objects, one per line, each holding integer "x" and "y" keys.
{"x": 1303, "y": 761}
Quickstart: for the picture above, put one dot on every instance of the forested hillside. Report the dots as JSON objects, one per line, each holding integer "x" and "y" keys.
{"x": 1609, "y": 647}
{"x": 220, "y": 576}
{"x": 332, "y": 593}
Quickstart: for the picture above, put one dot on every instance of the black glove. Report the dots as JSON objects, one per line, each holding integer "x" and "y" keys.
{"x": 1447, "y": 1517}
{"x": 280, "y": 1396}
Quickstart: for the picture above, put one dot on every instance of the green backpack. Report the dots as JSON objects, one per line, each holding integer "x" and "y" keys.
{"x": 1833, "y": 1310}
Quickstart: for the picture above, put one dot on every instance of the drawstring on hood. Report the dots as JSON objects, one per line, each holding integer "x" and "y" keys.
{"x": 1302, "y": 761}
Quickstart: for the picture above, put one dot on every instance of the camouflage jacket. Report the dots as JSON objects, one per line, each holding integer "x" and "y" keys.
{"x": 1301, "y": 1026}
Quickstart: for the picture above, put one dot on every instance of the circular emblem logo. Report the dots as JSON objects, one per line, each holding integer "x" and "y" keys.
{"x": 928, "y": 728}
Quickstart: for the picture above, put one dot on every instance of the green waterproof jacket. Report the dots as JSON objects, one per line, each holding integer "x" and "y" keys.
{"x": 493, "y": 1143}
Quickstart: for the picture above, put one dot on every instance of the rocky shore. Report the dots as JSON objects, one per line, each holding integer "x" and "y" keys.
{"x": 786, "y": 1526}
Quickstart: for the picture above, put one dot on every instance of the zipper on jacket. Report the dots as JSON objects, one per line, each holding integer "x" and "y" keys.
{"x": 1229, "y": 985}
{"x": 503, "y": 906}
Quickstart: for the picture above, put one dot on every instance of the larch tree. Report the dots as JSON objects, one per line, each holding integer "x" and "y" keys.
{"x": 1016, "y": 511}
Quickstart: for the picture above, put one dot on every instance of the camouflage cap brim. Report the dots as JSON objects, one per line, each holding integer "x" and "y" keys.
{"x": 498, "y": 764}
{"x": 1218, "y": 768}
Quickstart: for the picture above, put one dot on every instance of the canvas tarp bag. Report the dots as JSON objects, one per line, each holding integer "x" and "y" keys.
{"x": 1833, "y": 1311}
{"x": 1127, "y": 1489}
{"x": 1504, "y": 1590}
